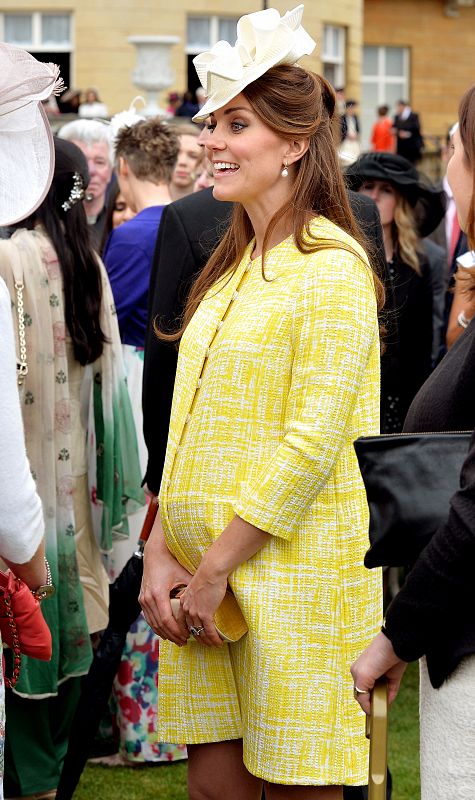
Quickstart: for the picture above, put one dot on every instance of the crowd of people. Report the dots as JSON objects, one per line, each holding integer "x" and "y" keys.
{"x": 87, "y": 105}
{"x": 399, "y": 134}
{"x": 210, "y": 314}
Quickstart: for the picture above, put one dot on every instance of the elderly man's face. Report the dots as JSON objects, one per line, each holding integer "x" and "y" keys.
{"x": 100, "y": 169}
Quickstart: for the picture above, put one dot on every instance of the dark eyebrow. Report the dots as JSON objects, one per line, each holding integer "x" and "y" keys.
{"x": 232, "y": 109}
{"x": 236, "y": 108}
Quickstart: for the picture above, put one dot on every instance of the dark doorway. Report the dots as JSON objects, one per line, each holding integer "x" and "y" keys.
{"x": 193, "y": 81}
{"x": 63, "y": 60}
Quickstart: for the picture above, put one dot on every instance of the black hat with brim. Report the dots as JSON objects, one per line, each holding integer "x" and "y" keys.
{"x": 427, "y": 201}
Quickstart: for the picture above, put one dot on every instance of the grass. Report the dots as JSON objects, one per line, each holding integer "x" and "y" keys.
{"x": 160, "y": 782}
{"x": 403, "y": 755}
{"x": 168, "y": 781}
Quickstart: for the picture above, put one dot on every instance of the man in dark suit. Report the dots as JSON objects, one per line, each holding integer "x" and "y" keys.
{"x": 189, "y": 231}
{"x": 407, "y": 128}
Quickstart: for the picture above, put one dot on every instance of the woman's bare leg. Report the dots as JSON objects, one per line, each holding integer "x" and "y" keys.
{"x": 216, "y": 772}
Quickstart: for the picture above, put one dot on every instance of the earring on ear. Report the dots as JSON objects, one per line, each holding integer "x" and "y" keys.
{"x": 285, "y": 171}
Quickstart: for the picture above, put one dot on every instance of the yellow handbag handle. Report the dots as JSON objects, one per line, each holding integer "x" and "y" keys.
{"x": 377, "y": 733}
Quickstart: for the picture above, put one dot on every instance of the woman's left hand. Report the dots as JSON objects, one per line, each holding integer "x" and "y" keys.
{"x": 378, "y": 659}
{"x": 238, "y": 542}
{"x": 200, "y": 601}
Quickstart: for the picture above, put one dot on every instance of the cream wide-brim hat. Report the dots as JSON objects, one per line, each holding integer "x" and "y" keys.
{"x": 26, "y": 141}
{"x": 264, "y": 40}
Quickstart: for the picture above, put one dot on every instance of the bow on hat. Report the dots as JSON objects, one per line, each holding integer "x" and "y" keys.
{"x": 26, "y": 141}
{"x": 264, "y": 40}
{"x": 24, "y": 82}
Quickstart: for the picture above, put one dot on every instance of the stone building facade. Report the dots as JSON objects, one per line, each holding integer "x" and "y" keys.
{"x": 89, "y": 38}
{"x": 422, "y": 51}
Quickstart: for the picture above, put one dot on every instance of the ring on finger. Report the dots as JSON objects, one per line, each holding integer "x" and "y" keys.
{"x": 196, "y": 631}
{"x": 357, "y": 692}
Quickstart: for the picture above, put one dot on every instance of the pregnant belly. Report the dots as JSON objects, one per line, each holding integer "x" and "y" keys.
{"x": 191, "y": 525}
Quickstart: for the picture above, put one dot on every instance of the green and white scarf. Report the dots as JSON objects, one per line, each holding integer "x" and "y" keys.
{"x": 113, "y": 465}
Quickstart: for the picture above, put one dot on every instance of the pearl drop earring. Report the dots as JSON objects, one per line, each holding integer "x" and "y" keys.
{"x": 285, "y": 171}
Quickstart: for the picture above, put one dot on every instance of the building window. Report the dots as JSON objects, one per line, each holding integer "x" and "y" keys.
{"x": 18, "y": 29}
{"x": 198, "y": 34}
{"x": 55, "y": 30}
{"x": 333, "y": 56}
{"x": 202, "y": 34}
{"x": 46, "y": 35}
{"x": 385, "y": 80}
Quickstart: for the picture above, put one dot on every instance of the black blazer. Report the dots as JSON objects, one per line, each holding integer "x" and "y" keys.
{"x": 344, "y": 125}
{"x": 409, "y": 148}
{"x": 432, "y": 615}
{"x": 189, "y": 231}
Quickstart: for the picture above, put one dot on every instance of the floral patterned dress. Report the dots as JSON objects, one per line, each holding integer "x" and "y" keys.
{"x": 134, "y": 700}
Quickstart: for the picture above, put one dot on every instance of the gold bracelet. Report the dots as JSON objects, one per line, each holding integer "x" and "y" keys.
{"x": 47, "y": 589}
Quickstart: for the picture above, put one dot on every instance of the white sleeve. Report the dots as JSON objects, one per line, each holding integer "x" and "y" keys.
{"x": 21, "y": 513}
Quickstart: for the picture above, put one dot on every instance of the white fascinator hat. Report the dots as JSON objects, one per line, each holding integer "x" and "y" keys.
{"x": 264, "y": 40}
{"x": 124, "y": 119}
{"x": 26, "y": 141}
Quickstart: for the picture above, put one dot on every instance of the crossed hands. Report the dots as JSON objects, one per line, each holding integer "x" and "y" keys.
{"x": 198, "y": 601}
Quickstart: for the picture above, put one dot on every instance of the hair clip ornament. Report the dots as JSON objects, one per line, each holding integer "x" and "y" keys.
{"x": 77, "y": 193}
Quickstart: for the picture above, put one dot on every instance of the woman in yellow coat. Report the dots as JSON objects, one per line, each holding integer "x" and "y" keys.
{"x": 278, "y": 373}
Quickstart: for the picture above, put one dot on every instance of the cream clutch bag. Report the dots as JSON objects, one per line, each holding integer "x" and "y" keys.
{"x": 229, "y": 619}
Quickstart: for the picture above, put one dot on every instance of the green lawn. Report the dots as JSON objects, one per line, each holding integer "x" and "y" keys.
{"x": 168, "y": 781}
{"x": 161, "y": 782}
{"x": 404, "y": 738}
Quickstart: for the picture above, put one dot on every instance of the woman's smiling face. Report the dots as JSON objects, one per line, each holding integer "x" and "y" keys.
{"x": 247, "y": 156}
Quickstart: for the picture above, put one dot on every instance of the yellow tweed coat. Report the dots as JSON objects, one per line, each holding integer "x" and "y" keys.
{"x": 275, "y": 380}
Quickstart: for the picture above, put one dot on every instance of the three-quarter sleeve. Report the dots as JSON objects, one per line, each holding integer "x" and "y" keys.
{"x": 334, "y": 331}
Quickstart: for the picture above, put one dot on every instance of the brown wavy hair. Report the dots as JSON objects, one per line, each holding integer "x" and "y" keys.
{"x": 293, "y": 103}
{"x": 467, "y": 135}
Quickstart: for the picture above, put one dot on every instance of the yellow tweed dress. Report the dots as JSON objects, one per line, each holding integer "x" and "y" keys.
{"x": 275, "y": 380}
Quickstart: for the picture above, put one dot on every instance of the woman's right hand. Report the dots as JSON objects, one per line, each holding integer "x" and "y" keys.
{"x": 463, "y": 302}
{"x": 162, "y": 573}
{"x": 378, "y": 659}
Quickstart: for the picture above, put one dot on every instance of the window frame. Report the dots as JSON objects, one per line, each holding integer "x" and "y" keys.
{"x": 336, "y": 60}
{"x": 36, "y": 44}
{"x": 381, "y": 80}
{"x": 214, "y": 20}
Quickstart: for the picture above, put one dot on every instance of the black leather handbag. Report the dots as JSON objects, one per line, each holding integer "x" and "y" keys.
{"x": 409, "y": 480}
